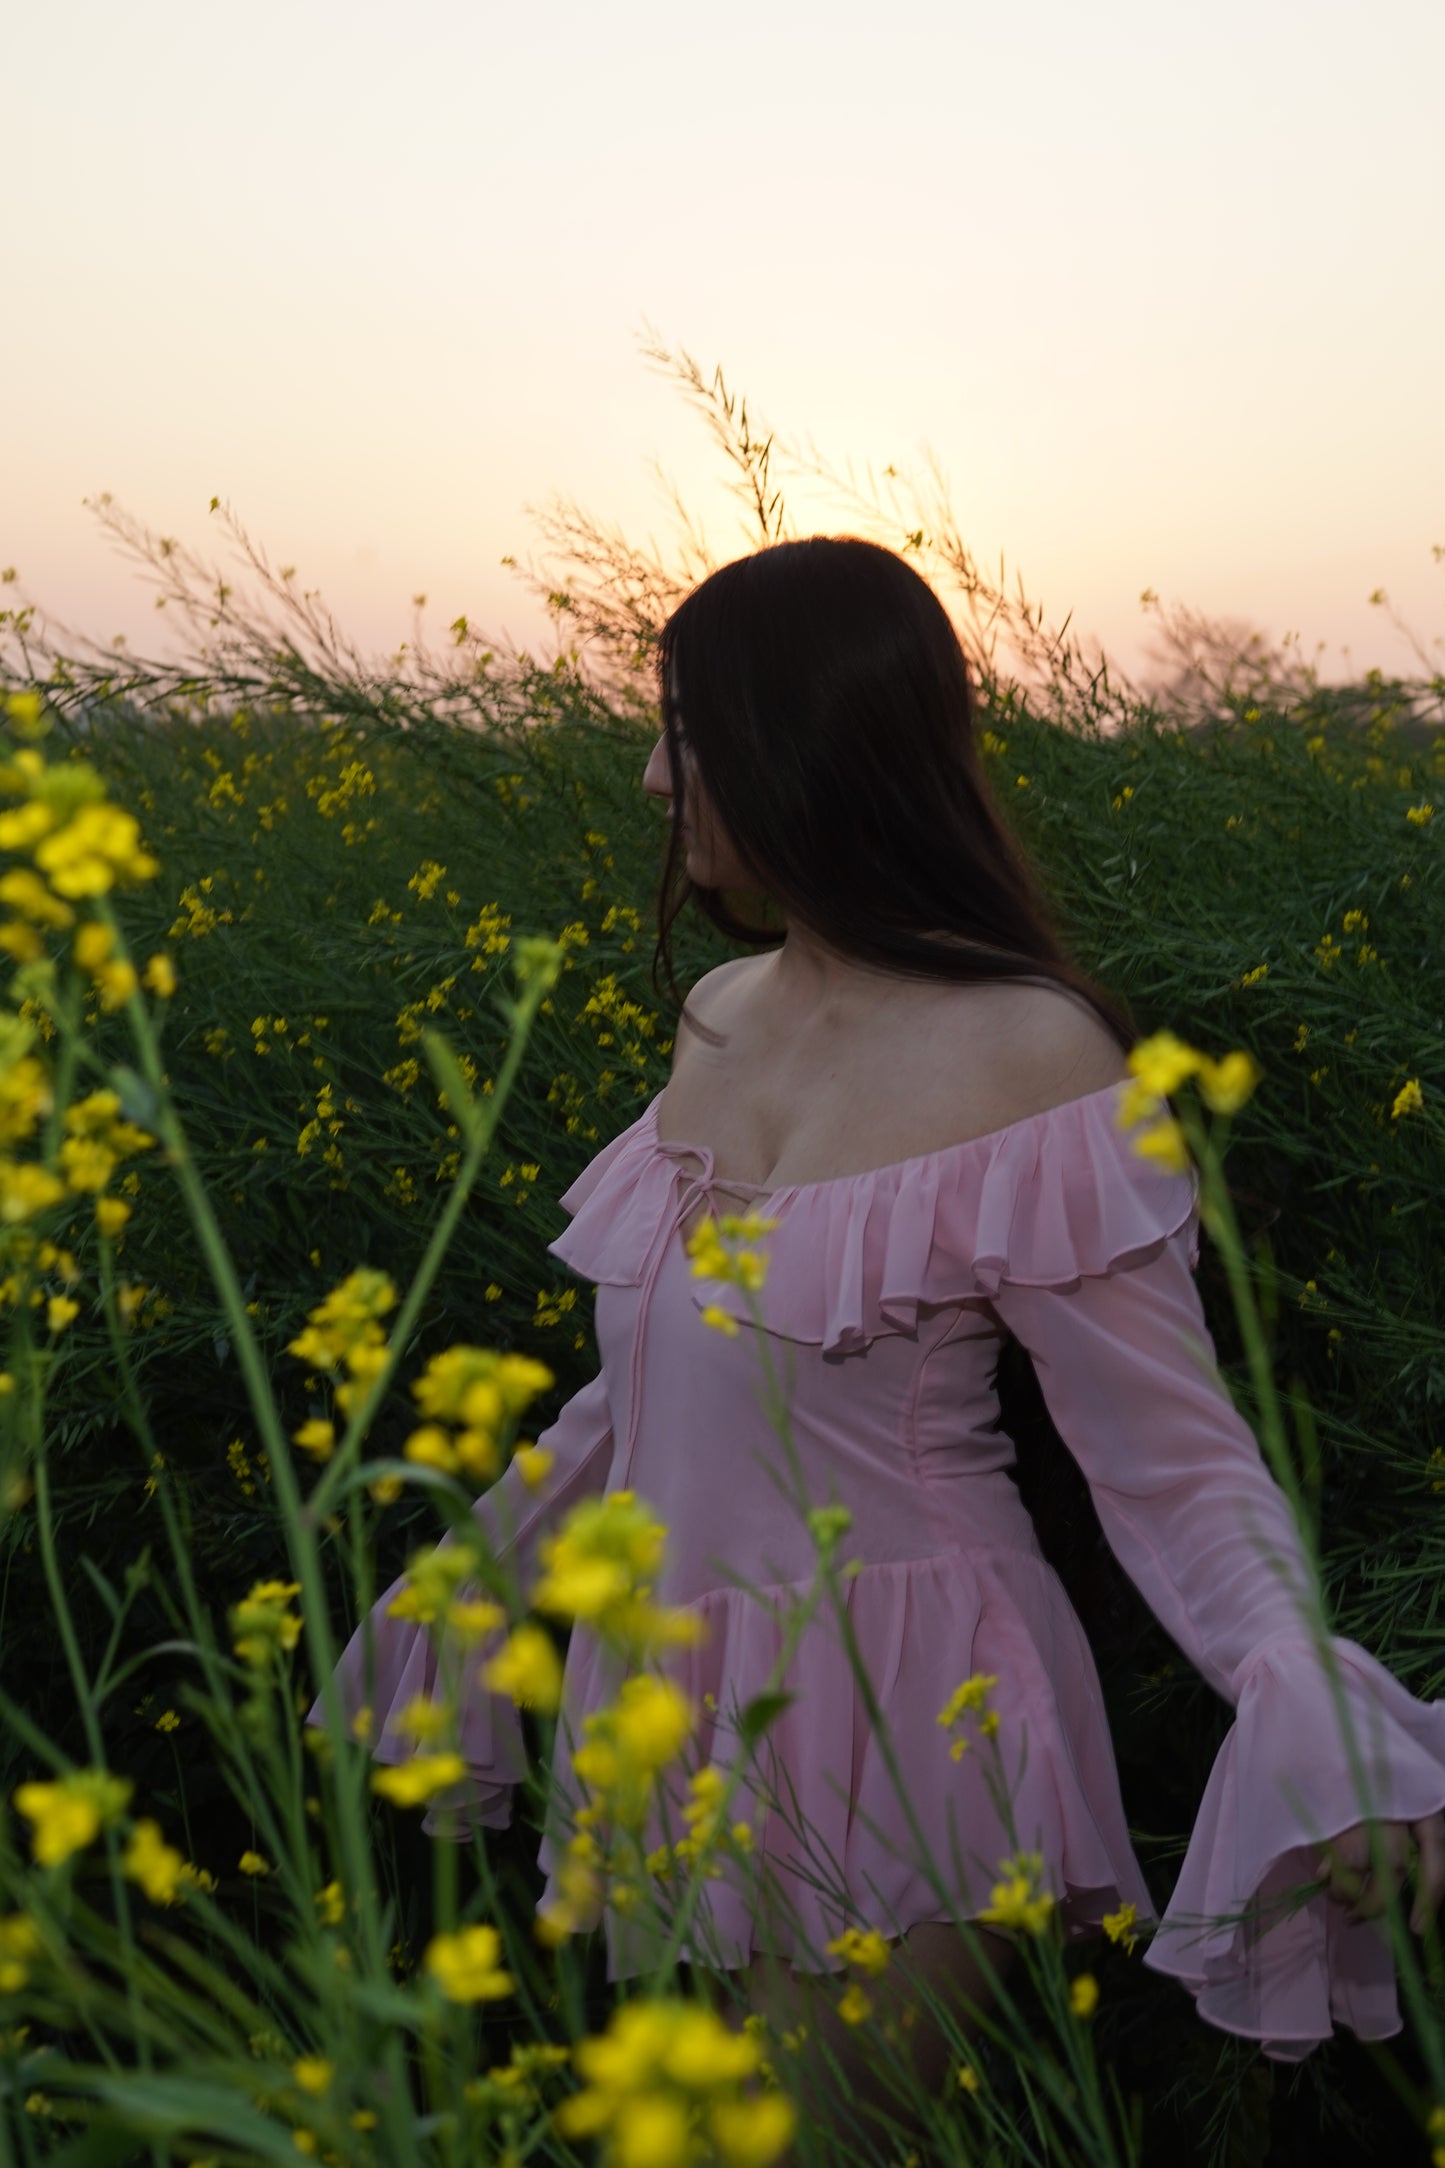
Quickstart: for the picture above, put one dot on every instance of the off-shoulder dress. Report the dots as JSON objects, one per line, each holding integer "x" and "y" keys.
{"x": 888, "y": 1295}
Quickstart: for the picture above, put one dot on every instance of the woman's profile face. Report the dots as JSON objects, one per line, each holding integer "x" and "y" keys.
{"x": 711, "y": 860}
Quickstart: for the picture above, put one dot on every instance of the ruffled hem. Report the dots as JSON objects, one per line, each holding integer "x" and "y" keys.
{"x": 1279, "y": 1787}
{"x": 838, "y": 1840}
{"x": 1052, "y": 1199}
{"x": 408, "y": 1668}
{"x": 835, "y": 1844}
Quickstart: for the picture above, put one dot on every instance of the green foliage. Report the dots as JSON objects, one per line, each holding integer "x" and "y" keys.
{"x": 348, "y": 862}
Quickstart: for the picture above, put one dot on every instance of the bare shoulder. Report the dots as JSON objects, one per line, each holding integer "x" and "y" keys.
{"x": 708, "y": 994}
{"x": 1056, "y": 1047}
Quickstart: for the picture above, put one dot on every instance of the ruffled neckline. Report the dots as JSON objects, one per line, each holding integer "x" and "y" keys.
{"x": 1052, "y": 1198}
{"x": 647, "y": 1123}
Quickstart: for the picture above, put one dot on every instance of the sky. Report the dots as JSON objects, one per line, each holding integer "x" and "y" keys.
{"x": 1161, "y": 292}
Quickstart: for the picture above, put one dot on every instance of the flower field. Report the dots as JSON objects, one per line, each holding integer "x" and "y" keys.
{"x": 320, "y": 994}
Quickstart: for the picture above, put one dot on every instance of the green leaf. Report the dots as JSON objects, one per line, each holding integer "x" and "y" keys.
{"x": 157, "y": 2105}
{"x": 138, "y": 1103}
{"x": 762, "y": 1712}
{"x": 447, "y": 1071}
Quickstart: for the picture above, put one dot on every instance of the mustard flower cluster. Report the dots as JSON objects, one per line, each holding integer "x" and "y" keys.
{"x": 598, "y": 1569}
{"x": 867, "y": 1952}
{"x": 261, "y": 1624}
{"x": 664, "y": 2087}
{"x": 1435, "y": 2132}
{"x": 345, "y": 1328}
{"x": 432, "y": 1595}
{"x": 626, "y": 1747}
{"x": 80, "y": 845}
{"x": 1162, "y": 1063}
{"x": 21, "y": 1948}
{"x": 624, "y": 1751}
{"x": 1019, "y": 1901}
{"x": 1117, "y": 1926}
{"x": 79, "y": 848}
{"x": 712, "y": 1260}
{"x": 472, "y": 1395}
{"x": 467, "y": 1965}
{"x": 972, "y": 1695}
{"x": 702, "y": 1815}
{"x": 69, "y": 1814}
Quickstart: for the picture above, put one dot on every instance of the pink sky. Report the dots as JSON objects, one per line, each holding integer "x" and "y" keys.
{"x": 1163, "y": 295}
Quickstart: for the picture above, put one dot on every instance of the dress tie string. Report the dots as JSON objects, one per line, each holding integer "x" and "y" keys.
{"x": 699, "y": 1185}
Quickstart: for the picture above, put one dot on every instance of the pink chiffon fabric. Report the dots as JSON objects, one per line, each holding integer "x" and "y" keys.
{"x": 887, "y": 1297}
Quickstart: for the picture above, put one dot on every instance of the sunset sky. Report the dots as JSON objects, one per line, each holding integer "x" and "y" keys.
{"x": 1161, "y": 289}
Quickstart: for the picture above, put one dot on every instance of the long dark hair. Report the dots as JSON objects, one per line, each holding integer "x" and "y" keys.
{"x": 832, "y": 719}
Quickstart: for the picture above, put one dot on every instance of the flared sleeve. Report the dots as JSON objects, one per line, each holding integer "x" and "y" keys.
{"x": 1128, "y": 1371}
{"x": 407, "y": 1663}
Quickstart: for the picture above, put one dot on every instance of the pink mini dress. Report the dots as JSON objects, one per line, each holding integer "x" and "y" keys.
{"x": 886, "y": 1300}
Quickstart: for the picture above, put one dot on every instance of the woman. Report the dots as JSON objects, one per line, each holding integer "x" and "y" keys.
{"x": 923, "y": 1094}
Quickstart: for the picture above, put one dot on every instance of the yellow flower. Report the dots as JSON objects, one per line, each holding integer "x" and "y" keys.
{"x": 117, "y": 982}
{"x": 111, "y": 1214}
{"x": 88, "y": 1163}
{"x": 1226, "y": 1084}
{"x": 1116, "y": 1925}
{"x": 433, "y": 1578}
{"x": 854, "y": 2006}
{"x": 971, "y": 1695}
{"x": 26, "y": 1190}
{"x": 24, "y": 891}
{"x": 156, "y": 1865}
{"x": 59, "y": 1312}
{"x": 599, "y": 1568}
{"x": 70, "y": 1814}
{"x": 720, "y": 1319}
{"x": 431, "y": 1447}
{"x": 98, "y": 844}
{"x": 416, "y": 1781}
{"x": 1018, "y": 1901}
{"x": 24, "y": 711}
{"x": 1419, "y": 815}
{"x": 752, "y": 2133}
{"x": 534, "y": 1463}
{"x": 652, "y": 1721}
{"x": 1084, "y": 1995}
{"x": 478, "y": 1387}
{"x": 160, "y": 976}
{"x": 330, "y": 1905}
{"x": 260, "y": 1625}
{"x": 473, "y": 1621}
{"x": 424, "y": 1720}
{"x": 702, "y": 2056}
{"x": 20, "y": 1943}
{"x": 1163, "y": 1062}
{"x": 1408, "y": 1100}
{"x": 313, "y": 2074}
{"x": 527, "y": 1669}
{"x": 468, "y": 1965}
{"x": 317, "y": 1438}
{"x": 1167, "y": 1144}
{"x": 867, "y": 1950}
{"x": 253, "y": 1863}
{"x": 968, "y": 2078}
